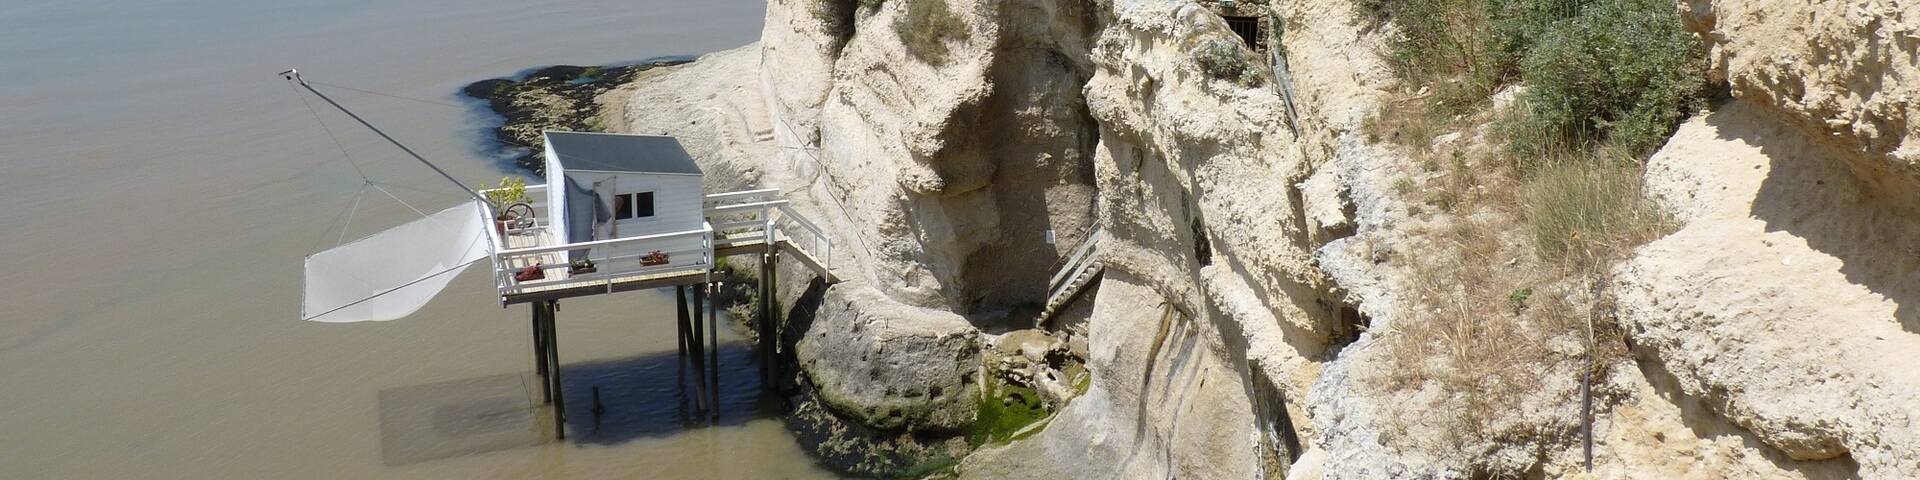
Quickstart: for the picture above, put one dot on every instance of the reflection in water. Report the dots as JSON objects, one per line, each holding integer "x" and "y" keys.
{"x": 651, "y": 396}
{"x": 644, "y": 396}
{"x": 460, "y": 417}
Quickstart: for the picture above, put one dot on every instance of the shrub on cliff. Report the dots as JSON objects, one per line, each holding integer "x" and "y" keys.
{"x": 1226, "y": 60}
{"x": 927, "y": 26}
{"x": 1621, "y": 73}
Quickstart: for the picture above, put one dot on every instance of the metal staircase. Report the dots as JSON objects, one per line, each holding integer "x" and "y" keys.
{"x": 1073, "y": 277}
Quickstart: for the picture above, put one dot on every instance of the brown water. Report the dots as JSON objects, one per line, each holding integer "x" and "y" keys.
{"x": 159, "y": 186}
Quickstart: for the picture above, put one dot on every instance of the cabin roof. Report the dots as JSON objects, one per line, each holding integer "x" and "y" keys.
{"x": 610, "y": 152}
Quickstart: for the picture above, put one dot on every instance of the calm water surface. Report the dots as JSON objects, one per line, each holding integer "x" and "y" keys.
{"x": 159, "y": 186}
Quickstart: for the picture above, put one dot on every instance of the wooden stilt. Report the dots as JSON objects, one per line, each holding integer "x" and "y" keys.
{"x": 540, "y": 351}
{"x": 553, "y": 356}
{"x": 772, "y": 310}
{"x": 680, "y": 326}
{"x": 696, "y": 356}
{"x": 713, "y": 340}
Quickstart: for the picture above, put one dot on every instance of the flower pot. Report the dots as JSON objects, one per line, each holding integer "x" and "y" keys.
{"x": 532, "y": 272}
{"x": 653, "y": 258}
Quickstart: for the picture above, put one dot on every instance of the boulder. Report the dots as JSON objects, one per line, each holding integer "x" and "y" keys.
{"x": 891, "y": 366}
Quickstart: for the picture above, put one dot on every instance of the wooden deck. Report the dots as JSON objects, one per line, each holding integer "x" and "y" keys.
{"x": 737, "y": 223}
{"x": 559, "y": 285}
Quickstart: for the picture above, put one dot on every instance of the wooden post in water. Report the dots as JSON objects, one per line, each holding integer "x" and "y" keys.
{"x": 713, "y": 353}
{"x": 695, "y": 358}
{"x": 553, "y": 369}
{"x": 540, "y": 351}
{"x": 768, "y": 312}
{"x": 680, "y": 324}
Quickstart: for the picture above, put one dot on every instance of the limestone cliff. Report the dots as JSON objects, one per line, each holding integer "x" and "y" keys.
{"x": 1257, "y": 261}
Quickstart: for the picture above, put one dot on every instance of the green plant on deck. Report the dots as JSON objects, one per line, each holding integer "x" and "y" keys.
{"x": 926, "y": 28}
{"x": 1005, "y": 410}
{"x": 511, "y": 190}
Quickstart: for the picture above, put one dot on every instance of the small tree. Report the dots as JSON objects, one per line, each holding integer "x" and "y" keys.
{"x": 511, "y": 190}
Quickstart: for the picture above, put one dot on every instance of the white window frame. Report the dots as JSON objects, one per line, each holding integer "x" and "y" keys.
{"x": 633, "y": 199}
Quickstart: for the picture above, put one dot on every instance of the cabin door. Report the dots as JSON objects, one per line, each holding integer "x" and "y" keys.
{"x": 605, "y": 227}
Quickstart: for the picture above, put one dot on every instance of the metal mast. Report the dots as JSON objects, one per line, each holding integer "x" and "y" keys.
{"x": 293, "y": 75}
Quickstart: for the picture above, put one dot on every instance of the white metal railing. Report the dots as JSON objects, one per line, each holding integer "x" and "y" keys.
{"x": 733, "y": 219}
{"x": 813, "y": 241}
{"x": 760, "y": 216}
{"x": 612, "y": 259}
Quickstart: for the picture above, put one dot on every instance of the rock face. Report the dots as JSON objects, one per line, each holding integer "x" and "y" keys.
{"x": 954, "y": 170}
{"x": 1780, "y": 304}
{"x": 892, "y": 368}
{"x": 1788, "y": 298}
{"x": 1165, "y": 402}
{"x": 1248, "y": 213}
{"x": 1846, "y": 69}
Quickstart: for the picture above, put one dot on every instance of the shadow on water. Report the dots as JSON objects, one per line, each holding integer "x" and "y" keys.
{"x": 652, "y": 396}
{"x": 645, "y": 396}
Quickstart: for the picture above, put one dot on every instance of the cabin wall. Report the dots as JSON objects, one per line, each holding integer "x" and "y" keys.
{"x": 556, "y": 196}
{"x": 678, "y": 205}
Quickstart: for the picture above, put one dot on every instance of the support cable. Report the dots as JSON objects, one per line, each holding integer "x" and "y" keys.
{"x": 294, "y": 76}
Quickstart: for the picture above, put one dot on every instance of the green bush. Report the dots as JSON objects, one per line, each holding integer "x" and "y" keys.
{"x": 1438, "y": 38}
{"x": 1226, "y": 60}
{"x": 926, "y": 27}
{"x": 1622, "y": 73}
{"x": 1514, "y": 26}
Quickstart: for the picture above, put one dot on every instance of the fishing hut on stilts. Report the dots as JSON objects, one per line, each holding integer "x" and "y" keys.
{"x": 618, "y": 213}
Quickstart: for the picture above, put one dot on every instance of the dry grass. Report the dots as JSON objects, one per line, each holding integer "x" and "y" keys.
{"x": 1504, "y": 282}
{"x": 1587, "y": 214}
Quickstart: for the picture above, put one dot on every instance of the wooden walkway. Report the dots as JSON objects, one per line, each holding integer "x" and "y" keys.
{"x": 539, "y": 290}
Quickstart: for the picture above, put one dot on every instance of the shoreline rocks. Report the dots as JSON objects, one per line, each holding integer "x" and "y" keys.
{"x": 556, "y": 97}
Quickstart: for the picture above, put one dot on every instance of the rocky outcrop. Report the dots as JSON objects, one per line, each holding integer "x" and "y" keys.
{"x": 1786, "y": 298}
{"x": 1847, "y": 70}
{"x": 956, "y": 170}
{"x": 560, "y": 97}
{"x": 892, "y": 368}
{"x": 1780, "y": 304}
{"x": 1248, "y": 212}
{"x": 1166, "y": 402}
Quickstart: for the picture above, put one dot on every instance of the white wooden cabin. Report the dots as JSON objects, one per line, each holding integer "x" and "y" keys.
{"x": 623, "y": 202}
{"x": 603, "y": 186}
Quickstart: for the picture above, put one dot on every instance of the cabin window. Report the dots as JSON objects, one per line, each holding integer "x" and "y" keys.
{"x": 1248, "y": 28}
{"x": 633, "y": 205}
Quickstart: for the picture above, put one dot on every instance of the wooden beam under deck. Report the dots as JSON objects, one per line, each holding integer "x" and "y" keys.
{"x": 668, "y": 280}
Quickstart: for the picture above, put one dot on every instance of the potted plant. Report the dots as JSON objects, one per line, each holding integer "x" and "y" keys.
{"x": 652, "y": 258}
{"x": 510, "y": 193}
{"x": 583, "y": 265}
{"x": 530, "y": 273}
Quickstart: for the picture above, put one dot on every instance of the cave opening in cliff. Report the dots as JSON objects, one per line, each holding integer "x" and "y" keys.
{"x": 1202, "y": 246}
{"x": 1248, "y": 28}
{"x": 1279, "y": 439}
{"x": 1350, "y": 323}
